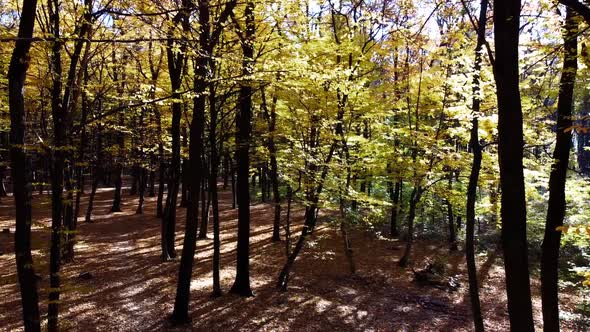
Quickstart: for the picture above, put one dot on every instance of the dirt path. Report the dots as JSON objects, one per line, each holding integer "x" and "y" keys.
{"x": 131, "y": 290}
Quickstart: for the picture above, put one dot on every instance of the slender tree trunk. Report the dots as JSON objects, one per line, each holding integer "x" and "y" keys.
{"x": 213, "y": 189}
{"x": 57, "y": 169}
{"x": 284, "y": 275}
{"x": 451, "y": 219}
{"x": 185, "y": 169}
{"x": 414, "y": 199}
{"x": 233, "y": 188}
{"x": 205, "y": 201}
{"x": 274, "y": 172}
{"x": 83, "y": 140}
{"x": 206, "y": 44}
{"x": 20, "y": 167}
{"x": 3, "y": 192}
{"x": 510, "y": 154}
{"x": 69, "y": 222}
{"x": 348, "y": 251}
{"x": 119, "y": 168}
{"x": 134, "y": 179}
{"x": 176, "y": 62}
{"x": 97, "y": 175}
{"x": 451, "y": 225}
{"x": 474, "y": 176}
{"x": 95, "y": 180}
{"x": 395, "y": 195}
{"x": 161, "y": 183}
{"x": 162, "y": 166}
{"x": 142, "y": 177}
{"x": 121, "y": 142}
{"x": 241, "y": 284}
{"x": 226, "y": 171}
{"x": 557, "y": 179}
{"x": 288, "y": 222}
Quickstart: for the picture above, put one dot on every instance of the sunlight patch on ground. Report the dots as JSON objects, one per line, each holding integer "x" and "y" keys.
{"x": 322, "y": 305}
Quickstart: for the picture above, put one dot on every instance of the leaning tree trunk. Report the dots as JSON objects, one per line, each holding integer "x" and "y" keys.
{"x": 510, "y": 154}
{"x": 20, "y": 167}
{"x": 557, "y": 179}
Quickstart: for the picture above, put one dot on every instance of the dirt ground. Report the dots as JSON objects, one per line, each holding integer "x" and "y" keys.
{"x": 132, "y": 290}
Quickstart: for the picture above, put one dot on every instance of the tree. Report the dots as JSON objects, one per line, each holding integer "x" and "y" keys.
{"x": 557, "y": 179}
{"x": 176, "y": 55}
{"x": 510, "y": 155}
{"x": 476, "y": 149}
{"x": 241, "y": 284}
{"x": 20, "y": 165}
{"x": 208, "y": 37}
{"x": 59, "y": 113}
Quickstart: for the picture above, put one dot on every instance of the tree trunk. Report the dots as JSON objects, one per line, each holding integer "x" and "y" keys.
{"x": 20, "y": 167}
{"x": 134, "y": 179}
{"x": 176, "y": 62}
{"x": 451, "y": 219}
{"x": 557, "y": 179}
{"x": 57, "y": 169}
{"x": 241, "y": 284}
{"x": 119, "y": 168}
{"x": 474, "y": 176}
{"x": 414, "y": 199}
{"x": 274, "y": 172}
{"x": 205, "y": 201}
{"x": 69, "y": 222}
{"x": 284, "y": 275}
{"x": 510, "y": 154}
{"x": 233, "y": 188}
{"x": 142, "y": 177}
{"x": 214, "y": 157}
{"x": 95, "y": 180}
{"x": 83, "y": 138}
{"x": 395, "y": 194}
{"x": 185, "y": 169}
{"x": 451, "y": 224}
{"x": 180, "y": 313}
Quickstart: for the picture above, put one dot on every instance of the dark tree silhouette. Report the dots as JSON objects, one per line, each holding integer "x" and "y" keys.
{"x": 557, "y": 179}
{"x": 20, "y": 166}
{"x": 241, "y": 284}
{"x": 510, "y": 154}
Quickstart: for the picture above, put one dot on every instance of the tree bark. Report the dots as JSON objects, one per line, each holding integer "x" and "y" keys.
{"x": 57, "y": 168}
{"x": 510, "y": 154}
{"x": 20, "y": 167}
{"x": 557, "y": 179}
{"x": 474, "y": 175}
{"x": 271, "y": 116}
{"x": 213, "y": 188}
{"x": 205, "y": 201}
{"x": 176, "y": 63}
{"x": 395, "y": 199}
{"x": 241, "y": 284}
{"x": 414, "y": 199}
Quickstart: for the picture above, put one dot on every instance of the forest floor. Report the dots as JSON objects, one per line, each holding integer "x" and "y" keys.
{"x": 132, "y": 290}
